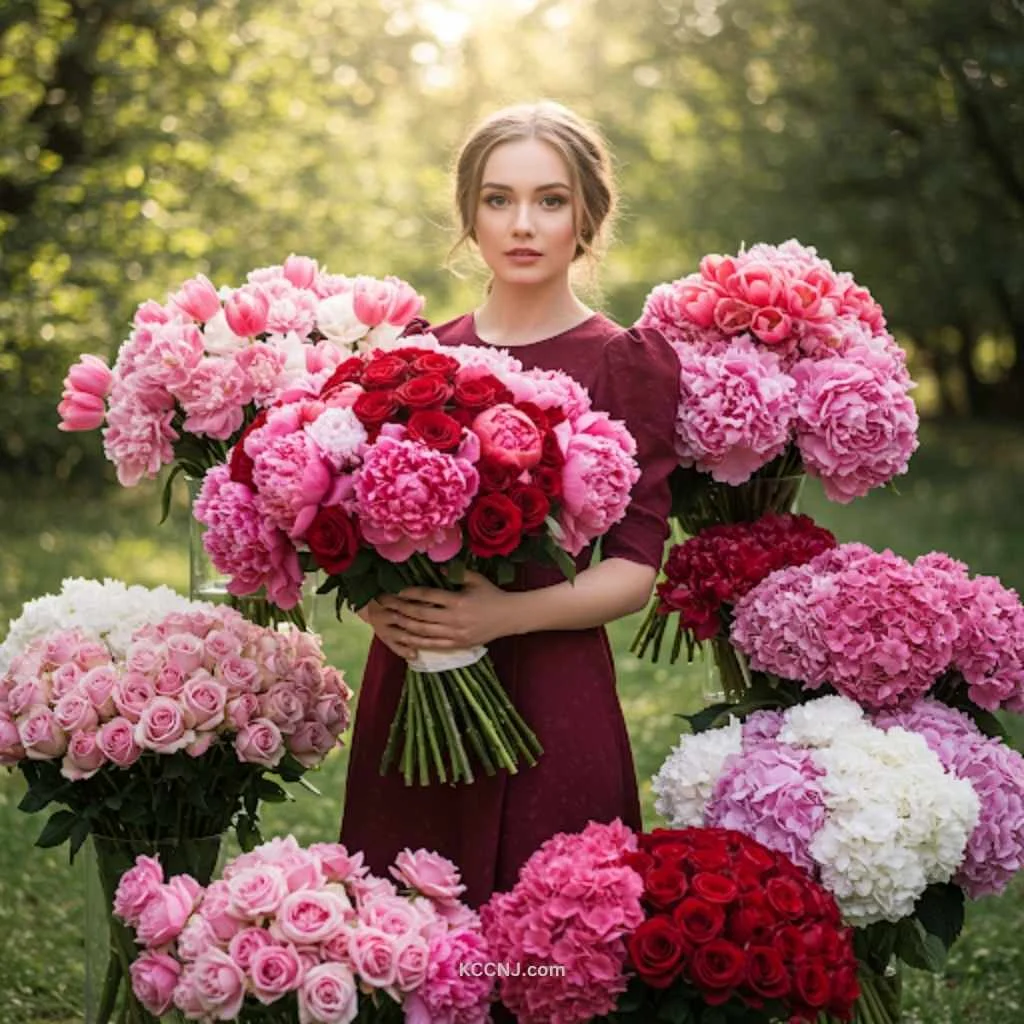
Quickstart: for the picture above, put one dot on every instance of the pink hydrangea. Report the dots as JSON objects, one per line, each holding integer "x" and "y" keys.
{"x": 411, "y": 498}
{"x": 995, "y": 850}
{"x": 597, "y": 477}
{"x": 736, "y": 408}
{"x": 456, "y": 990}
{"x": 772, "y": 794}
{"x": 575, "y": 904}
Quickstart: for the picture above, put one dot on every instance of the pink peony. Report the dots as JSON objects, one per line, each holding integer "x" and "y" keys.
{"x": 137, "y": 441}
{"x": 508, "y": 437}
{"x": 214, "y": 399}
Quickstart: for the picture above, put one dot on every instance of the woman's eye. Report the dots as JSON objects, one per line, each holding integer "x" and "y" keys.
{"x": 496, "y": 200}
{"x": 553, "y": 202}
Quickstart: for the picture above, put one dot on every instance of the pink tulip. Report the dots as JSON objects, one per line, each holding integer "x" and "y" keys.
{"x": 83, "y": 405}
{"x": 197, "y": 298}
{"x": 405, "y": 302}
{"x": 246, "y": 312}
{"x": 300, "y": 270}
{"x": 771, "y": 325}
{"x": 371, "y": 299}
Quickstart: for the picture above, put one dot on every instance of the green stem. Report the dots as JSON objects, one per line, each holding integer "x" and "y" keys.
{"x": 438, "y": 690}
{"x": 482, "y": 709}
{"x": 422, "y": 686}
{"x": 396, "y": 731}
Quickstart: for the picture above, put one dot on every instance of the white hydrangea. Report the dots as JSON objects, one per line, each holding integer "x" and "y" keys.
{"x": 684, "y": 783}
{"x": 818, "y": 723}
{"x": 109, "y": 611}
{"x": 339, "y": 435}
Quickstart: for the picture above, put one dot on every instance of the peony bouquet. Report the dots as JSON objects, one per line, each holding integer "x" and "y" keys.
{"x": 786, "y": 367}
{"x": 290, "y": 934}
{"x": 666, "y": 926}
{"x": 409, "y": 466}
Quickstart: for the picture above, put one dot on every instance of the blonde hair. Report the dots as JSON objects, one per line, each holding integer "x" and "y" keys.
{"x": 580, "y": 145}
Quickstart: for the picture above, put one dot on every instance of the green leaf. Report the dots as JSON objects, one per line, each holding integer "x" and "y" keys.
{"x": 710, "y": 717}
{"x": 389, "y": 578}
{"x": 455, "y": 571}
{"x": 270, "y": 792}
{"x": 79, "y": 833}
{"x": 919, "y": 948}
{"x": 505, "y": 573}
{"x": 36, "y": 799}
{"x": 168, "y": 492}
{"x": 57, "y": 829}
{"x": 940, "y": 909}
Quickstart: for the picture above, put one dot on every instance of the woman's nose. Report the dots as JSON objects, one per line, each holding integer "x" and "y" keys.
{"x": 524, "y": 221}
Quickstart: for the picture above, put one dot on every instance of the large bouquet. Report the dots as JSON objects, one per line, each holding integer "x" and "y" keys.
{"x": 666, "y": 926}
{"x": 196, "y": 369}
{"x": 408, "y": 467}
{"x": 786, "y": 366}
{"x": 290, "y": 934}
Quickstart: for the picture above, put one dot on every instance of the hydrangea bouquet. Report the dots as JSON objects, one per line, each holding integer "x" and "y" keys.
{"x": 410, "y": 465}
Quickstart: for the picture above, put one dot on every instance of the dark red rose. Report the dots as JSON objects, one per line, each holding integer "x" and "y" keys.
{"x": 714, "y": 888}
{"x": 789, "y": 941}
{"x": 436, "y": 362}
{"x": 344, "y": 373}
{"x": 549, "y": 480}
{"x": 660, "y": 837}
{"x": 240, "y": 466}
{"x": 550, "y": 453}
{"x": 767, "y": 973}
{"x": 812, "y": 983}
{"x": 656, "y": 950}
{"x": 665, "y": 886}
{"x": 751, "y": 925}
{"x": 385, "y": 371}
{"x": 532, "y": 502}
{"x": 845, "y": 990}
{"x": 408, "y": 353}
{"x": 494, "y": 476}
{"x": 698, "y": 920}
{"x": 639, "y": 860}
{"x": 786, "y": 895}
{"x": 464, "y": 417}
{"x": 719, "y": 965}
{"x": 757, "y": 858}
{"x": 333, "y": 538}
{"x": 536, "y": 413}
{"x": 434, "y": 428}
{"x": 375, "y": 407}
{"x": 708, "y": 858}
{"x": 430, "y": 390}
{"x": 494, "y": 525}
{"x": 481, "y": 392}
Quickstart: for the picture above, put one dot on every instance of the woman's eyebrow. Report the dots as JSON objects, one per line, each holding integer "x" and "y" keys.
{"x": 539, "y": 188}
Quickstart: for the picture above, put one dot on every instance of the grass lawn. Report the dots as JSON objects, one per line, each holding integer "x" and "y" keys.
{"x": 963, "y": 495}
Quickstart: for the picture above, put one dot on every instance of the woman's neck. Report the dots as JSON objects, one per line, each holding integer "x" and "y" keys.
{"x": 516, "y": 315}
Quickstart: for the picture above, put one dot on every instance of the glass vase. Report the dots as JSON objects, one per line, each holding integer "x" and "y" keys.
{"x": 207, "y": 583}
{"x": 110, "y": 946}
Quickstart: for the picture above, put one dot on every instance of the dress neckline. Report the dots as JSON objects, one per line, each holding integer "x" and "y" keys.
{"x": 529, "y": 344}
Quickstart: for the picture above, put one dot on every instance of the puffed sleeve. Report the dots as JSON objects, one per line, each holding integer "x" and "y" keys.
{"x": 639, "y": 383}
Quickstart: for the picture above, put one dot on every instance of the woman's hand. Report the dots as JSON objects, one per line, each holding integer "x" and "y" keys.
{"x": 385, "y": 628}
{"x": 425, "y": 618}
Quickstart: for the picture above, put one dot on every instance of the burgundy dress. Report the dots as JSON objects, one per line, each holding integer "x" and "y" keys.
{"x": 562, "y": 682}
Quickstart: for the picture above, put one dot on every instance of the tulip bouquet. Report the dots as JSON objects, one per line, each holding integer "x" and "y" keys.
{"x": 668, "y": 926}
{"x": 290, "y": 934}
{"x": 409, "y": 466}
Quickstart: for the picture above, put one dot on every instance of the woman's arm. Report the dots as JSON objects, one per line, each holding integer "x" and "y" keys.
{"x": 426, "y": 618}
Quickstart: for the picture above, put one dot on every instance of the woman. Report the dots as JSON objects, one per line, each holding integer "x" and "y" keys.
{"x": 534, "y": 195}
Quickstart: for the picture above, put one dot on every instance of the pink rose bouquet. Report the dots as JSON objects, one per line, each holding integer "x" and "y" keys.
{"x": 611, "y": 925}
{"x": 287, "y": 933}
{"x": 410, "y": 465}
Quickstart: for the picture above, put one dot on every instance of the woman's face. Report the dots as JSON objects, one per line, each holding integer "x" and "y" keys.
{"x": 525, "y": 217}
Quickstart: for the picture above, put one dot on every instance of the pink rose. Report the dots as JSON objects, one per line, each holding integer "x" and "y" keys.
{"x": 167, "y": 910}
{"x": 196, "y": 937}
{"x": 430, "y": 874}
{"x": 310, "y": 743}
{"x": 257, "y": 891}
{"x": 137, "y": 886}
{"x": 98, "y": 684}
{"x": 170, "y": 681}
{"x": 220, "y": 643}
{"x": 275, "y": 970}
{"x": 508, "y": 436}
{"x": 201, "y": 744}
{"x": 260, "y": 742}
{"x": 337, "y": 863}
{"x": 11, "y": 750}
{"x": 413, "y": 962}
{"x": 246, "y": 943}
{"x": 219, "y": 985}
{"x": 242, "y": 709}
{"x": 328, "y": 995}
{"x": 154, "y": 977}
{"x": 83, "y": 758}
{"x": 116, "y": 739}
{"x": 142, "y": 658}
{"x": 374, "y": 956}
{"x": 74, "y": 712}
{"x": 238, "y": 673}
{"x": 204, "y": 700}
{"x": 282, "y": 705}
{"x": 132, "y": 695}
{"x": 162, "y": 728}
{"x": 64, "y": 679}
{"x": 184, "y": 652}
{"x": 216, "y": 911}
{"x": 25, "y": 697}
{"x": 41, "y": 736}
{"x": 309, "y": 916}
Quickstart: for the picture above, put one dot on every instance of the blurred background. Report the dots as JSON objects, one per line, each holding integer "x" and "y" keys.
{"x": 143, "y": 142}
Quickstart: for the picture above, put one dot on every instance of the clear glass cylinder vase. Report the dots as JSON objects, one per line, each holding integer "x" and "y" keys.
{"x": 110, "y": 946}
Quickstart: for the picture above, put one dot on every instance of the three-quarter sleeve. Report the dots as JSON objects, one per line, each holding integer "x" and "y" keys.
{"x": 638, "y": 383}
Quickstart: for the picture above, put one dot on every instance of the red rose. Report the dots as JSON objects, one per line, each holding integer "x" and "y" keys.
{"x": 344, "y": 373}
{"x": 532, "y": 502}
{"x": 698, "y": 920}
{"x": 718, "y": 967}
{"x": 549, "y": 480}
{"x": 845, "y": 990}
{"x": 550, "y": 453}
{"x": 481, "y": 392}
{"x": 661, "y": 837}
{"x": 464, "y": 417}
{"x": 708, "y": 858}
{"x": 665, "y": 886}
{"x": 640, "y": 861}
{"x": 767, "y": 973}
{"x": 435, "y": 428}
{"x": 535, "y": 412}
{"x": 424, "y": 392}
{"x": 714, "y": 888}
{"x": 494, "y": 476}
{"x": 812, "y": 983}
{"x": 494, "y": 525}
{"x": 789, "y": 941}
{"x": 785, "y": 896}
{"x": 241, "y": 465}
{"x": 384, "y": 371}
{"x": 375, "y": 407}
{"x": 750, "y": 925}
{"x": 333, "y": 539}
{"x": 436, "y": 362}
{"x": 656, "y": 950}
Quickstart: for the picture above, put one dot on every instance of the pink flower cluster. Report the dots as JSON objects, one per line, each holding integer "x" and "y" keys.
{"x": 188, "y": 681}
{"x": 284, "y": 920}
{"x": 776, "y": 348}
{"x": 575, "y": 904}
{"x": 995, "y": 850}
{"x": 883, "y": 630}
{"x": 203, "y": 360}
